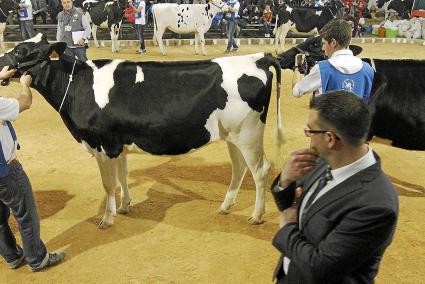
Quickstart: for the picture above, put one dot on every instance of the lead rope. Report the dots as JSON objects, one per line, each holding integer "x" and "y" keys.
{"x": 67, "y": 88}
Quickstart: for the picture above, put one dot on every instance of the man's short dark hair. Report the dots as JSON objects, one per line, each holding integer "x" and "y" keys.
{"x": 345, "y": 113}
{"x": 339, "y": 30}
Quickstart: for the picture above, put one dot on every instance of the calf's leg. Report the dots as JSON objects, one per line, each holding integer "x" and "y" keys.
{"x": 109, "y": 169}
{"x": 123, "y": 179}
{"x": 93, "y": 31}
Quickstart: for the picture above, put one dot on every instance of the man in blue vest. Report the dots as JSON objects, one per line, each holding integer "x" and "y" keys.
{"x": 342, "y": 71}
{"x": 232, "y": 22}
{"x": 140, "y": 22}
{"x": 16, "y": 192}
{"x": 25, "y": 19}
{"x": 74, "y": 29}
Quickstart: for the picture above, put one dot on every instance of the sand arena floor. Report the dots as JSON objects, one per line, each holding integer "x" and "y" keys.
{"x": 173, "y": 233}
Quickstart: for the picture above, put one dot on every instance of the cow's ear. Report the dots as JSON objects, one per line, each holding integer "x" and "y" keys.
{"x": 57, "y": 48}
{"x": 355, "y": 49}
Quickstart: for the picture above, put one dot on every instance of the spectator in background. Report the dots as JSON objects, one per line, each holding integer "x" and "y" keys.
{"x": 140, "y": 21}
{"x": 267, "y": 20}
{"x": 255, "y": 15}
{"x": 54, "y": 9}
{"x": 39, "y": 8}
{"x": 25, "y": 19}
{"x": 232, "y": 22}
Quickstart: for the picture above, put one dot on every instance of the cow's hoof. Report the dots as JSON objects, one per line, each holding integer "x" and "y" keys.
{"x": 254, "y": 221}
{"x": 104, "y": 224}
{"x": 124, "y": 209}
{"x": 223, "y": 211}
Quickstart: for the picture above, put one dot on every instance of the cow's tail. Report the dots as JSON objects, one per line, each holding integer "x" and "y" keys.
{"x": 280, "y": 142}
{"x": 275, "y": 25}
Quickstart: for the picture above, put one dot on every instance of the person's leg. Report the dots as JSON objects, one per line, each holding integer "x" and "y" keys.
{"x": 9, "y": 249}
{"x": 80, "y": 53}
{"x": 142, "y": 37}
{"x": 23, "y": 31}
{"x": 235, "y": 46}
{"x": 139, "y": 32}
{"x": 230, "y": 33}
{"x": 24, "y": 209}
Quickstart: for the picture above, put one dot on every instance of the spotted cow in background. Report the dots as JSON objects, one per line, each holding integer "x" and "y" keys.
{"x": 303, "y": 19}
{"x": 107, "y": 15}
{"x": 6, "y": 7}
{"x": 114, "y": 107}
{"x": 185, "y": 18}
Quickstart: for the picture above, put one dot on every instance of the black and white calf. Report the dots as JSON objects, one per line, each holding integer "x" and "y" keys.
{"x": 398, "y": 97}
{"x": 114, "y": 107}
{"x": 303, "y": 19}
{"x": 185, "y": 18}
{"x": 6, "y": 7}
{"x": 108, "y": 15}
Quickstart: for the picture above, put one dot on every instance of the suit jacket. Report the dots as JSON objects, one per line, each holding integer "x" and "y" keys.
{"x": 344, "y": 233}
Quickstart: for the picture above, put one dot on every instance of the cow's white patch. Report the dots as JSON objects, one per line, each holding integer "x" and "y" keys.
{"x": 1, "y": 55}
{"x": 318, "y": 13}
{"x": 103, "y": 81}
{"x": 35, "y": 39}
{"x": 289, "y": 9}
{"x": 109, "y": 3}
{"x": 140, "y": 77}
{"x": 89, "y": 1}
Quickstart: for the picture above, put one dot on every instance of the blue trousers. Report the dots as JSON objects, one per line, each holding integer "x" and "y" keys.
{"x": 231, "y": 29}
{"x": 139, "y": 30}
{"x": 16, "y": 196}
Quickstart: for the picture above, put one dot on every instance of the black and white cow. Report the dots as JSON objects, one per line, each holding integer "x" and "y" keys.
{"x": 185, "y": 18}
{"x": 398, "y": 97}
{"x": 6, "y": 7}
{"x": 114, "y": 107}
{"x": 303, "y": 19}
{"x": 402, "y": 7}
{"x": 108, "y": 15}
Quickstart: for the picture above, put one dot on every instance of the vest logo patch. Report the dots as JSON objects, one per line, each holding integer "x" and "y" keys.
{"x": 348, "y": 85}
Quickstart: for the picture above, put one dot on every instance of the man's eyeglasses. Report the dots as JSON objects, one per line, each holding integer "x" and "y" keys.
{"x": 311, "y": 132}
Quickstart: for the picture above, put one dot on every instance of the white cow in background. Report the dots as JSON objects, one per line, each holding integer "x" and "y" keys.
{"x": 185, "y": 18}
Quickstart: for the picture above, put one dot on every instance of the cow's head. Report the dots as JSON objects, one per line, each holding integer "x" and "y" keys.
{"x": 221, "y": 5}
{"x": 8, "y": 6}
{"x": 311, "y": 48}
{"x": 31, "y": 54}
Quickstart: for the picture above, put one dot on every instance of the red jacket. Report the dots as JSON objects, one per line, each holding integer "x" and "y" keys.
{"x": 129, "y": 14}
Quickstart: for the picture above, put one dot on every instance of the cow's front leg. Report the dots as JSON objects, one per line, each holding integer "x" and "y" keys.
{"x": 2, "y": 28}
{"x": 123, "y": 179}
{"x": 202, "y": 41}
{"x": 109, "y": 173}
{"x": 196, "y": 43}
{"x": 94, "y": 32}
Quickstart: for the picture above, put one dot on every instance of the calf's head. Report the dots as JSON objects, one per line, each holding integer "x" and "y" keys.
{"x": 30, "y": 55}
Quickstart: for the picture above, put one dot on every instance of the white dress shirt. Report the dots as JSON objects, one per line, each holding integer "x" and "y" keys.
{"x": 339, "y": 175}
{"x": 9, "y": 111}
{"x": 343, "y": 60}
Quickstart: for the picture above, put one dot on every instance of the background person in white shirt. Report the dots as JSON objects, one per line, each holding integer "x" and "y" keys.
{"x": 140, "y": 22}
{"x": 342, "y": 71}
{"x": 337, "y": 232}
{"x": 16, "y": 192}
{"x": 26, "y": 19}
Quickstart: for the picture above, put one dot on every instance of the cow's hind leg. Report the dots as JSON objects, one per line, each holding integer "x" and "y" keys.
{"x": 196, "y": 43}
{"x": 109, "y": 173}
{"x": 123, "y": 179}
{"x": 202, "y": 42}
{"x": 159, "y": 34}
{"x": 238, "y": 172}
{"x": 259, "y": 167}
{"x": 2, "y": 28}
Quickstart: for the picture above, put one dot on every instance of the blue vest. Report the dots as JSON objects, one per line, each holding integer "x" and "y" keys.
{"x": 359, "y": 83}
{"x": 138, "y": 15}
{"x": 4, "y": 170}
{"x": 231, "y": 15}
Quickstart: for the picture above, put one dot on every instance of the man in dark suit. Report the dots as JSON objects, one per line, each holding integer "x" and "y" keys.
{"x": 338, "y": 230}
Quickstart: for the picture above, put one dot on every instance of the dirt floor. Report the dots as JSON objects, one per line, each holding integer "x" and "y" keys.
{"x": 173, "y": 233}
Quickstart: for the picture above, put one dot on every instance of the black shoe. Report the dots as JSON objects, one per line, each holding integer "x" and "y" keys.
{"x": 17, "y": 263}
{"x": 54, "y": 258}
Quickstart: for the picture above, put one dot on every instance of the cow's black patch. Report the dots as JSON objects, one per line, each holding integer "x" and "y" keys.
{"x": 101, "y": 63}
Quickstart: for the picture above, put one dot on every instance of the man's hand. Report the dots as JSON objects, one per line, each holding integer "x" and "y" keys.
{"x": 300, "y": 163}
{"x": 290, "y": 215}
{"x": 81, "y": 42}
{"x": 25, "y": 80}
{"x": 5, "y": 73}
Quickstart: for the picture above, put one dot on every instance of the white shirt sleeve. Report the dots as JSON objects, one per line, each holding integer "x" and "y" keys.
{"x": 309, "y": 83}
{"x": 9, "y": 109}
